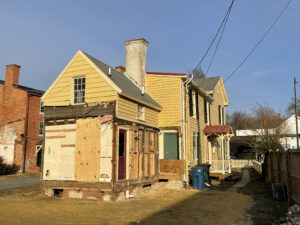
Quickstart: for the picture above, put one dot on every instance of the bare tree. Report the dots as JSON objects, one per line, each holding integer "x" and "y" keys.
{"x": 197, "y": 73}
{"x": 268, "y": 126}
{"x": 239, "y": 120}
{"x": 290, "y": 109}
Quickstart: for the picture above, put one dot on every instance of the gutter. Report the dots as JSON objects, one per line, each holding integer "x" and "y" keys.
{"x": 183, "y": 85}
{"x": 25, "y": 133}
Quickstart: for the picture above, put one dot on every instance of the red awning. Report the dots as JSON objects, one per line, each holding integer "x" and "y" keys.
{"x": 218, "y": 129}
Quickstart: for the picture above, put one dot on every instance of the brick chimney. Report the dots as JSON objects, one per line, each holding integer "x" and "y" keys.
{"x": 121, "y": 69}
{"x": 12, "y": 75}
{"x": 135, "y": 59}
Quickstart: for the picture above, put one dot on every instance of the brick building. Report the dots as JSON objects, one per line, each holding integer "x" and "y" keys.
{"x": 21, "y": 123}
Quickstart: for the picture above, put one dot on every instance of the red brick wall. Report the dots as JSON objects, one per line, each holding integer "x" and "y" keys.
{"x": 34, "y": 117}
{"x": 13, "y": 107}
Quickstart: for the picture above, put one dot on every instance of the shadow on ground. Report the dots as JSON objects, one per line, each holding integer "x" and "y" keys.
{"x": 265, "y": 209}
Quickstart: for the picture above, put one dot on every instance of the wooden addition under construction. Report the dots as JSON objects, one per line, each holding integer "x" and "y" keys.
{"x": 101, "y": 131}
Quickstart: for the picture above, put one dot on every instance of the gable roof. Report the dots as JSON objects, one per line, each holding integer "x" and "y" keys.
{"x": 207, "y": 84}
{"x": 119, "y": 81}
{"x": 27, "y": 89}
{"x": 123, "y": 82}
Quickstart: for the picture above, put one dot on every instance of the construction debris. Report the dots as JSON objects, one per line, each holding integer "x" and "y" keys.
{"x": 292, "y": 217}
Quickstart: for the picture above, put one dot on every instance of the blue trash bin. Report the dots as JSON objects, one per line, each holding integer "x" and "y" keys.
{"x": 198, "y": 176}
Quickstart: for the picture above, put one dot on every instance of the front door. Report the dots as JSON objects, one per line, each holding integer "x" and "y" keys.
{"x": 171, "y": 149}
{"x": 122, "y": 155}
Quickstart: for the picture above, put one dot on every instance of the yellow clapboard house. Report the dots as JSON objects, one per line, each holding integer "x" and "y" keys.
{"x": 101, "y": 128}
{"x": 190, "y": 107}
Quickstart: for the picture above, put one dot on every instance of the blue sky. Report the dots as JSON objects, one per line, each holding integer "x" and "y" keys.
{"x": 42, "y": 36}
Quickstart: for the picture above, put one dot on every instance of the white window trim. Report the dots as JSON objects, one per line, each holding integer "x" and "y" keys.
{"x": 41, "y": 105}
{"x": 194, "y": 148}
{"x": 42, "y": 129}
{"x": 72, "y": 90}
{"x": 194, "y": 103}
{"x": 143, "y": 113}
{"x": 208, "y": 112}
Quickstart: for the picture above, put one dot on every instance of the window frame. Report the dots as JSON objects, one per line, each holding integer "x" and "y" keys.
{"x": 42, "y": 107}
{"x": 41, "y": 129}
{"x": 194, "y": 147}
{"x": 141, "y": 112}
{"x": 78, "y": 91}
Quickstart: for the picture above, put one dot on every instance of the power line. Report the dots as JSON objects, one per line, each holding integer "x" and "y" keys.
{"x": 258, "y": 43}
{"x": 213, "y": 56}
{"x": 223, "y": 21}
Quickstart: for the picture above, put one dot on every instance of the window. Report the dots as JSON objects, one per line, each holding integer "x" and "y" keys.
{"x": 141, "y": 112}
{"x": 292, "y": 138}
{"x": 195, "y": 147}
{"x": 41, "y": 128}
{"x": 42, "y": 108}
{"x": 206, "y": 112}
{"x": 79, "y": 90}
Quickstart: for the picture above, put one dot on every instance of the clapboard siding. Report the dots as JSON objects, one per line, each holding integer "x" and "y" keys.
{"x": 167, "y": 92}
{"x": 97, "y": 89}
{"x": 127, "y": 110}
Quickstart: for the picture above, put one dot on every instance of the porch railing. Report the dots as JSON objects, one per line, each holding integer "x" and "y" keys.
{"x": 217, "y": 166}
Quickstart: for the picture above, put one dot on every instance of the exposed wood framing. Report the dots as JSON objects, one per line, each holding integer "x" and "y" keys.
{"x": 78, "y": 111}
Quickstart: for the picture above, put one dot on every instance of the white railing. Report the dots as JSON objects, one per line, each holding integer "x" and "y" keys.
{"x": 241, "y": 163}
{"x": 257, "y": 166}
{"x": 217, "y": 166}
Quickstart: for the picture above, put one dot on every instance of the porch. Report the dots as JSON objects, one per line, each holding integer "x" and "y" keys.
{"x": 218, "y": 149}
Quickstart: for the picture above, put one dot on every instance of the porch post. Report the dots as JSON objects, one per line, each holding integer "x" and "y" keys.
{"x": 223, "y": 154}
{"x": 228, "y": 153}
{"x": 209, "y": 152}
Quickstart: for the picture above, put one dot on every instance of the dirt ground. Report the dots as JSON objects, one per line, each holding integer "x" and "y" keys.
{"x": 185, "y": 206}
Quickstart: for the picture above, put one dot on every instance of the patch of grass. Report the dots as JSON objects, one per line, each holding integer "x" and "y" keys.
{"x": 228, "y": 182}
{"x": 265, "y": 209}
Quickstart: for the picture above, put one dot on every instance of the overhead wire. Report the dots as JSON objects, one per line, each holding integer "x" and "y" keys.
{"x": 258, "y": 43}
{"x": 218, "y": 43}
{"x": 216, "y": 35}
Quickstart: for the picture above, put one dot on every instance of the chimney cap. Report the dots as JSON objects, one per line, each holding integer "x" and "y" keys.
{"x": 13, "y": 65}
{"x": 138, "y": 39}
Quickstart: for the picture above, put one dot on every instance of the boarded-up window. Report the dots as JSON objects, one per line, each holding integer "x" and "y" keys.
{"x": 87, "y": 152}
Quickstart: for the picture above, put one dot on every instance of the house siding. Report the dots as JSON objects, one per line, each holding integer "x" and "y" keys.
{"x": 127, "y": 110}
{"x": 62, "y": 92}
{"x": 166, "y": 90}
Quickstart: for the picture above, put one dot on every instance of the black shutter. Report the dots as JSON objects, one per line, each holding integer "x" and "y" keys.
{"x": 205, "y": 111}
{"x": 209, "y": 114}
{"x": 197, "y": 107}
{"x": 191, "y": 102}
{"x": 223, "y": 116}
{"x": 219, "y": 114}
{"x": 198, "y": 147}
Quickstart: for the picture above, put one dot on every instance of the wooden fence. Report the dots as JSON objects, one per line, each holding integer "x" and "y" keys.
{"x": 284, "y": 167}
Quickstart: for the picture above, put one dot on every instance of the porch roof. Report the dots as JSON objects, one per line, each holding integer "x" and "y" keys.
{"x": 218, "y": 129}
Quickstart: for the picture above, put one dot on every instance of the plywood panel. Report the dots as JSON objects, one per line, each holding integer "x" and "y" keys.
{"x": 106, "y": 153}
{"x": 59, "y": 152}
{"x": 87, "y": 153}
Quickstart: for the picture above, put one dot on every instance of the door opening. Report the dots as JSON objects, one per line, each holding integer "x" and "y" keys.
{"x": 122, "y": 155}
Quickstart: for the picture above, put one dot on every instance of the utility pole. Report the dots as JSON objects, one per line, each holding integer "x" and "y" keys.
{"x": 297, "y": 135}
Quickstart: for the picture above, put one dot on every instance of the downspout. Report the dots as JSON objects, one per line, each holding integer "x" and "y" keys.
{"x": 25, "y": 133}
{"x": 183, "y": 121}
